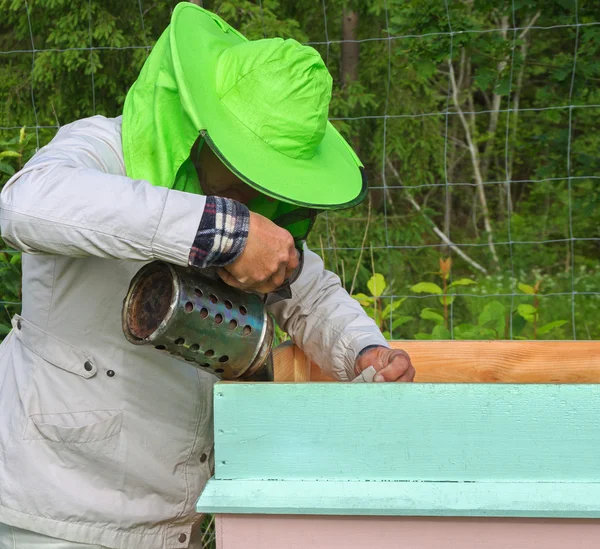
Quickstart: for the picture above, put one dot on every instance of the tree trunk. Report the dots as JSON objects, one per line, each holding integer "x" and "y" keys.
{"x": 450, "y": 163}
{"x": 476, "y": 162}
{"x": 349, "y": 61}
{"x": 496, "y": 103}
{"x": 350, "y": 47}
{"x": 445, "y": 239}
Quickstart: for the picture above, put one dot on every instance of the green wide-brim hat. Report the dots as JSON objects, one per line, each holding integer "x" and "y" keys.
{"x": 260, "y": 105}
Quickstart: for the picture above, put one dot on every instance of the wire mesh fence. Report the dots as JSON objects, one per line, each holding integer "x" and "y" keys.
{"x": 476, "y": 123}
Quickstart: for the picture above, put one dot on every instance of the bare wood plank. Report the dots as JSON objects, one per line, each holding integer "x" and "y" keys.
{"x": 505, "y": 361}
{"x": 302, "y": 366}
{"x": 283, "y": 362}
{"x": 483, "y": 362}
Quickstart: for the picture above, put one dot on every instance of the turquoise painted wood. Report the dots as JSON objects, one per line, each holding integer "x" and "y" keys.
{"x": 378, "y": 498}
{"x": 396, "y": 449}
{"x": 440, "y": 432}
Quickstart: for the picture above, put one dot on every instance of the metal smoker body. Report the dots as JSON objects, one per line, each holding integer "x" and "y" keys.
{"x": 200, "y": 320}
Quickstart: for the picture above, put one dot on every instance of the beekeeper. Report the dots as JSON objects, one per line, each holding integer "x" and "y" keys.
{"x": 222, "y": 158}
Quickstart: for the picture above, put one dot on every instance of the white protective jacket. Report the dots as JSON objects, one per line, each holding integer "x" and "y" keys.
{"x": 119, "y": 459}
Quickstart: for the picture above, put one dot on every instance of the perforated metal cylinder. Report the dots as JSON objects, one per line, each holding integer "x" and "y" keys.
{"x": 201, "y": 320}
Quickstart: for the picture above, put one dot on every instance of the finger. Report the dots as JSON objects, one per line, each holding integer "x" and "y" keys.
{"x": 294, "y": 260}
{"x": 265, "y": 288}
{"x": 279, "y": 277}
{"x": 292, "y": 265}
{"x": 229, "y": 279}
{"x": 242, "y": 277}
{"x": 408, "y": 376}
{"x": 398, "y": 368}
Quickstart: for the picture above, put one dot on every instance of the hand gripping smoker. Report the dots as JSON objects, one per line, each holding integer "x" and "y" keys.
{"x": 199, "y": 319}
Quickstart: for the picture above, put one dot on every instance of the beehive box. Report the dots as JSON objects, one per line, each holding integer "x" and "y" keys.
{"x": 437, "y": 464}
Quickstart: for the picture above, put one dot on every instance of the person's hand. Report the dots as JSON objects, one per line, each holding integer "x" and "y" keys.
{"x": 391, "y": 364}
{"x": 267, "y": 261}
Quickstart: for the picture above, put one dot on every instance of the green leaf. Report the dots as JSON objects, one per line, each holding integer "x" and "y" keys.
{"x": 518, "y": 325}
{"x": 11, "y": 154}
{"x": 568, "y": 4}
{"x": 462, "y": 282}
{"x": 6, "y": 168}
{"x": 392, "y": 307}
{"x": 427, "y": 288}
{"x": 363, "y": 299}
{"x": 466, "y": 331}
{"x": 484, "y": 78}
{"x": 551, "y": 326}
{"x": 526, "y": 288}
{"x": 5, "y": 329}
{"x": 494, "y": 313}
{"x": 449, "y": 299}
{"x": 528, "y": 312}
{"x": 441, "y": 332}
{"x": 15, "y": 259}
{"x": 503, "y": 87}
{"x": 377, "y": 284}
{"x": 422, "y": 336}
{"x": 425, "y": 68}
{"x": 10, "y": 142}
{"x": 22, "y": 135}
{"x": 375, "y": 314}
{"x": 431, "y": 314}
{"x": 400, "y": 321}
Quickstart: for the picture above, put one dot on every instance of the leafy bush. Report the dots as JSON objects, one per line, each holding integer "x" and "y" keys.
{"x": 496, "y": 320}
{"x": 14, "y": 152}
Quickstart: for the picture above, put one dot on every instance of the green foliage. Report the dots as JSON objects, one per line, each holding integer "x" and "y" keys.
{"x": 14, "y": 152}
{"x": 427, "y": 288}
{"x": 409, "y": 156}
{"x": 280, "y": 336}
{"x": 431, "y": 314}
{"x": 530, "y": 312}
{"x": 384, "y": 315}
{"x": 10, "y": 288}
{"x": 447, "y": 297}
{"x": 497, "y": 319}
{"x": 376, "y": 285}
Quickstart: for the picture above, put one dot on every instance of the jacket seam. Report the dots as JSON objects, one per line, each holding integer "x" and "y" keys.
{"x": 160, "y": 218}
{"x": 340, "y": 334}
{"x": 87, "y": 525}
{"x": 315, "y": 310}
{"x": 104, "y": 141}
{"x": 52, "y": 337}
{"x": 51, "y": 302}
{"x": 187, "y": 461}
{"x": 342, "y": 338}
{"x": 58, "y": 221}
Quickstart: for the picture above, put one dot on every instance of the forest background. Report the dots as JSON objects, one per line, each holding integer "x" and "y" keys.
{"x": 476, "y": 120}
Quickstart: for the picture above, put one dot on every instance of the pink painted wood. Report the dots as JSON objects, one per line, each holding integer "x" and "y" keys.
{"x": 323, "y": 532}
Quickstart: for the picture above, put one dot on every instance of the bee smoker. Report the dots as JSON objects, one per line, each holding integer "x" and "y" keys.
{"x": 201, "y": 320}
